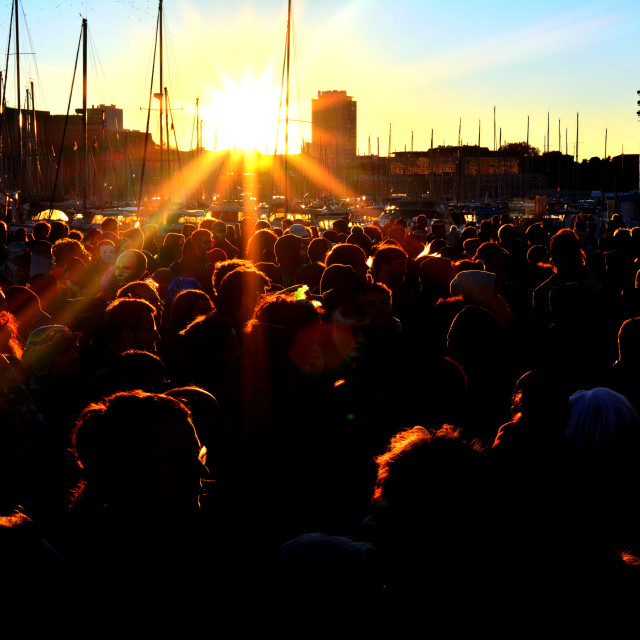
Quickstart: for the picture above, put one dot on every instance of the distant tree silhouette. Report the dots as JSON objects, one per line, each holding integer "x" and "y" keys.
{"x": 520, "y": 149}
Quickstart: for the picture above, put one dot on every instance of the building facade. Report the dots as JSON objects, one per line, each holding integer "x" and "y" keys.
{"x": 334, "y": 130}
{"x": 109, "y": 114}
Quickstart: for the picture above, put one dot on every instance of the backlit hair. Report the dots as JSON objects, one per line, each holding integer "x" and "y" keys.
{"x": 9, "y": 334}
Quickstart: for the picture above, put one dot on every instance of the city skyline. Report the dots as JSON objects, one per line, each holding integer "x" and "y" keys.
{"x": 414, "y": 66}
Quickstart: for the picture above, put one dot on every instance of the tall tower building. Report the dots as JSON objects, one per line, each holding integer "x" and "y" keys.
{"x": 333, "y": 130}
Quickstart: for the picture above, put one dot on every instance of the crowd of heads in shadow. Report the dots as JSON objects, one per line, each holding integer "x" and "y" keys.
{"x": 400, "y": 418}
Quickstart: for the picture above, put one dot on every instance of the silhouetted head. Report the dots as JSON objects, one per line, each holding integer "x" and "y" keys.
{"x": 142, "y": 290}
{"x": 350, "y": 255}
{"x": 430, "y": 478}
{"x": 603, "y": 430}
{"x": 140, "y": 454}
{"x": 131, "y": 239}
{"x": 130, "y": 324}
{"x": 389, "y": 266}
{"x": 566, "y": 253}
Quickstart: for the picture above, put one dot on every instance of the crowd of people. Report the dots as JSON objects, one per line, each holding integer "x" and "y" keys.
{"x": 373, "y": 422}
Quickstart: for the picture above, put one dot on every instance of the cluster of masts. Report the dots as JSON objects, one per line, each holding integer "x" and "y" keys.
{"x": 497, "y": 137}
{"x": 166, "y": 112}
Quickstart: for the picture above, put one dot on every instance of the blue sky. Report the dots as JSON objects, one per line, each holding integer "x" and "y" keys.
{"x": 417, "y": 65}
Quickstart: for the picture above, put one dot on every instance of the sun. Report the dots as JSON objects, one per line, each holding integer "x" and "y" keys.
{"x": 243, "y": 114}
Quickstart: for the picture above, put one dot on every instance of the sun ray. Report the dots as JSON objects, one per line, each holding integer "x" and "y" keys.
{"x": 321, "y": 176}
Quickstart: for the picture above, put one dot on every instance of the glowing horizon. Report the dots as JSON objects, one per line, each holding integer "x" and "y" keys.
{"x": 412, "y": 66}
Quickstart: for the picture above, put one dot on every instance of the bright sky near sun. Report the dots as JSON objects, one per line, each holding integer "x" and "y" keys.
{"x": 416, "y": 65}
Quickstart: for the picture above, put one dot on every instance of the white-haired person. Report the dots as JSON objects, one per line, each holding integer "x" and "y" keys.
{"x": 603, "y": 430}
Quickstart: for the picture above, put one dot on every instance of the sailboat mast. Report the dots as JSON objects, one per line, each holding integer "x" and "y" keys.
{"x": 494, "y": 127}
{"x": 84, "y": 118}
{"x": 459, "y": 163}
{"x": 19, "y": 102}
{"x": 527, "y": 168}
{"x": 577, "y": 156}
{"x": 430, "y": 167}
{"x": 478, "y": 172}
{"x": 389, "y": 163}
{"x": 34, "y": 134}
{"x": 197, "y": 126}
{"x": 6, "y": 64}
{"x": 603, "y": 178}
{"x": 161, "y": 95}
{"x": 166, "y": 124}
{"x": 151, "y": 95}
{"x": 28, "y": 176}
{"x": 286, "y": 120}
{"x": 6, "y": 142}
{"x": 548, "y": 141}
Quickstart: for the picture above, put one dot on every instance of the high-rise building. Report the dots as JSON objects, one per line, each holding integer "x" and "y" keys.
{"x": 111, "y": 114}
{"x": 333, "y": 129}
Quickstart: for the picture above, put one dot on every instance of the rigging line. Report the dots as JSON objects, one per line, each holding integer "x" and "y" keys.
{"x": 168, "y": 81}
{"x": 66, "y": 120}
{"x": 103, "y": 75}
{"x": 296, "y": 67}
{"x": 35, "y": 60}
{"x": 284, "y": 67}
{"x": 177, "y": 87}
{"x": 286, "y": 130}
{"x": 36, "y": 148}
{"x": 97, "y": 80}
{"x": 101, "y": 91}
{"x": 146, "y": 135}
{"x": 173, "y": 79}
{"x": 93, "y": 71}
{"x": 150, "y": 63}
{"x": 41, "y": 96}
{"x": 93, "y": 158}
{"x": 184, "y": 189}
{"x": 171, "y": 57}
{"x": 6, "y": 68}
{"x": 96, "y": 65}
{"x": 193, "y": 129}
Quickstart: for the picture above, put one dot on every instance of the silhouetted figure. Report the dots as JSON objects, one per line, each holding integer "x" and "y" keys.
{"x": 134, "y": 527}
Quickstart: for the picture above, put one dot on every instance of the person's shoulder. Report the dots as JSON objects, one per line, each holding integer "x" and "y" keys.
{"x": 177, "y": 267}
{"x": 543, "y": 288}
{"x": 507, "y": 433}
{"x": 44, "y": 244}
